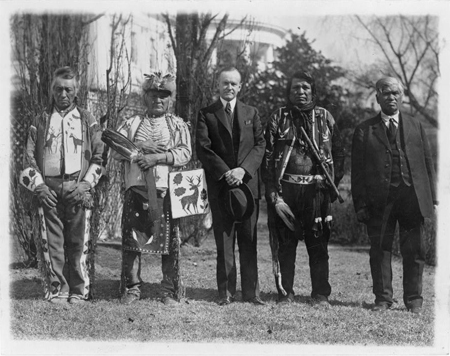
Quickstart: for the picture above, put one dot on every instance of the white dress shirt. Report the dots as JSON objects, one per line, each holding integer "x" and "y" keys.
{"x": 386, "y": 119}
{"x": 232, "y": 104}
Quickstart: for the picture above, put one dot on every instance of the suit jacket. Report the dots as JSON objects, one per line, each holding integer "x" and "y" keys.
{"x": 214, "y": 144}
{"x": 372, "y": 160}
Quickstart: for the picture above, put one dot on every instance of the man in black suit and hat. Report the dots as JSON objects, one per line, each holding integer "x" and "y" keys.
{"x": 393, "y": 180}
{"x": 230, "y": 144}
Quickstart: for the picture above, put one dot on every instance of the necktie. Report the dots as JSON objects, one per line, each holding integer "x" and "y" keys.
{"x": 392, "y": 129}
{"x": 229, "y": 114}
{"x": 228, "y": 109}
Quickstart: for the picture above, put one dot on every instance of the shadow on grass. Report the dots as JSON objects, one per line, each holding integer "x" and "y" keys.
{"x": 306, "y": 299}
{"x": 211, "y": 295}
{"x": 344, "y": 304}
{"x": 106, "y": 289}
{"x": 353, "y": 248}
{"x": 26, "y": 289}
{"x": 109, "y": 289}
{"x": 202, "y": 294}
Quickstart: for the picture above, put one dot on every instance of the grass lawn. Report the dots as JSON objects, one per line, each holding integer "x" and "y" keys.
{"x": 198, "y": 319}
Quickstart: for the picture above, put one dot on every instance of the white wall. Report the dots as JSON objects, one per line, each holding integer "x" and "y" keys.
{"x": 146, "y": 41}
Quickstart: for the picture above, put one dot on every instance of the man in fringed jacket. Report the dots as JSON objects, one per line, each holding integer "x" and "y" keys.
{"x": 297, "y": 193}
{"x": 62, "y": 164}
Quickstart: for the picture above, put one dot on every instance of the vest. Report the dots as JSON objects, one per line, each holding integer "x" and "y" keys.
{"x": 400, "y": 172}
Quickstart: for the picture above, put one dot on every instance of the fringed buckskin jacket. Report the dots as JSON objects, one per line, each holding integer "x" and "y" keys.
{"x": 92, "y": 146}
{"x": 281, "y": 133}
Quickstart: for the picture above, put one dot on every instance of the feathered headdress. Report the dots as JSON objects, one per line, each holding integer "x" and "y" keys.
{"x": 158, "y": 82}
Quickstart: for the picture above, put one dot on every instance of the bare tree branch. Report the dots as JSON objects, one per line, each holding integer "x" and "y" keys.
{"x": 380, "y": 45}
{"x": 95, "y": 18}
{"x": 416, "y": 105}
{"x": 234, "y": 28}
{"x": 400, "y": 61}
{"x": 208, "y": 18}
{"x": 409, "y": 46}
{"x": 172, "y": 39}
{"x": 213, "y": 43}
{"x": 124, "y": 96}
{"x": 114, "y": 26}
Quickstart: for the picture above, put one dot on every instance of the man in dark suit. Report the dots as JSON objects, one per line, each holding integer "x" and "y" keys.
{"x": 230, "y": 144}
{"x": 393, "y": 180}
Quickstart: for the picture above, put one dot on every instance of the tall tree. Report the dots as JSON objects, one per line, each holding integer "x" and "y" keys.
{"x": 193, "y": 54}
{"x": 297, "y": 54}
{"x": 195, "y": 83}
{"x": 40, "y": 44}
{"x": 112, "y": 103}
{"x": 410, "y": 47}
{"x": 267, "y": 89}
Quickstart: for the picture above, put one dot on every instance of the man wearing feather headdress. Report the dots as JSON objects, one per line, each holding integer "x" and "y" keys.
{"x": 298, "y": 195}
{"x": 164, "y": 142}
{"x": 62, "y": 164}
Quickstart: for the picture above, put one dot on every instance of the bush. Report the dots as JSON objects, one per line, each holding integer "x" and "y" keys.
{"x": 346, "y": 229}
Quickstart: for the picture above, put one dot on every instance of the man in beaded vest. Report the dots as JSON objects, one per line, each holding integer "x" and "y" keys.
{"x": 296, "y": 184}
{"x": 165, "y": 142}
{"x": 393, "y": 180}
{"x": 62, "y": 163}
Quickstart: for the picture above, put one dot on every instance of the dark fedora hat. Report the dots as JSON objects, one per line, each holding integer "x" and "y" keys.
{"x": 238, "y": 202}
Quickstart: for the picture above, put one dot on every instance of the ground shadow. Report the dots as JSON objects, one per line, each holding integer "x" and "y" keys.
{"x": 306, "y": 299}
{"x": 334, "y": 302}
{"x": 211, "y": 295}
{"x": 106, "y": 289}
{"x": 202, "y": 294}
{"x": 367, "y": 305}
{"x": 109, "y": 289}
{"x": 359, "y": 249}
{"x": 26, "y": 289}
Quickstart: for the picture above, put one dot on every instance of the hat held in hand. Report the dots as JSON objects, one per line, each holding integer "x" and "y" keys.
{"x": 238, "y": 202}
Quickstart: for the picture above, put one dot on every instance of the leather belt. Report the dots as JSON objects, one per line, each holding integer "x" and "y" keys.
{"x": 300, "y": 179}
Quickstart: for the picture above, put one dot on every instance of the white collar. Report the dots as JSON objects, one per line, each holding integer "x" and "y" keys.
{"x": 386, "y": 118}
{"x": 232, "y": 103}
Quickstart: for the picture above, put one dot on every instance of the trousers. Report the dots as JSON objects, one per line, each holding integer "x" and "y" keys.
{"x": 302, "y": 199}
{"x": 68, "y": 243}
{"x": 226, "y": 232}
{"x": 402, "y": 207}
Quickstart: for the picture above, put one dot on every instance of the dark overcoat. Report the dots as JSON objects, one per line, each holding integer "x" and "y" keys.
{"x": 372, "y": 160}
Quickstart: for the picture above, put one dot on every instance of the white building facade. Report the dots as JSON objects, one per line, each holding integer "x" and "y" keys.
{"x": 147, "y": 47}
